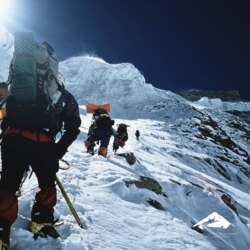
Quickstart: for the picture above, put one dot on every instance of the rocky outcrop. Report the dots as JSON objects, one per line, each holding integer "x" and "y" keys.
{"x": 225, "y": 96}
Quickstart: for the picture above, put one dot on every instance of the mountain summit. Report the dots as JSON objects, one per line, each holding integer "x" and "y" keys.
{"x": 94, "y": 80}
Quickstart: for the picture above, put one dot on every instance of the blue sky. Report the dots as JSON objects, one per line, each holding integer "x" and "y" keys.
{"x": 177, "y": 44}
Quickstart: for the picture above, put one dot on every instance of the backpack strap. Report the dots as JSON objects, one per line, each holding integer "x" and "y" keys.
{"x": 49, "y": 48}
{"x": 3, "y": 102}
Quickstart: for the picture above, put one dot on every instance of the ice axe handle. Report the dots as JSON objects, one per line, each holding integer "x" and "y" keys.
{"x": 71, "y": 207}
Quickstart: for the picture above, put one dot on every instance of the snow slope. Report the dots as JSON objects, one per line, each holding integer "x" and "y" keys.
{"x": 194, "y": 173}
{"x": 189, "y": 188}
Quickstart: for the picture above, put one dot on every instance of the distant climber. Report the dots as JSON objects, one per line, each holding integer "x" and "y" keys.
{"x": 122, "y": 134}
{"x": 137, "y": 134}
{"x": 99, "y": 131}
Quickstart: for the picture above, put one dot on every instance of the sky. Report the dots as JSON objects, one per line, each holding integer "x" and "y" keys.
{"x": 176, "y": 44}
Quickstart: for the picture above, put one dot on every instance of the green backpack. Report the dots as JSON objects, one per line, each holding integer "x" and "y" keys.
{"x": 34, "y": 88}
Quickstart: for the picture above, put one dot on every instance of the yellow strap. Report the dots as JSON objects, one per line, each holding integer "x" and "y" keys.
{"x": 34, "y": 229}
{"x": 2, "y": 244}
{"x": 36, "y": 226}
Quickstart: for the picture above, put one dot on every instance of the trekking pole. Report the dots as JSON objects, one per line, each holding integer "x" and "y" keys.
{"x": 71, "y": 207}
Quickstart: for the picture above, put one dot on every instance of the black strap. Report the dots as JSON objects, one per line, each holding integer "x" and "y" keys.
{"x": 3, "y": 102}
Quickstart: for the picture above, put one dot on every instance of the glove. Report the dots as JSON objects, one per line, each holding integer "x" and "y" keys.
{"x": 60, "y": 152}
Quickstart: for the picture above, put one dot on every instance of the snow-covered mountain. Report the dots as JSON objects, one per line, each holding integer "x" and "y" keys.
{"x": 228, "y": 101}
{"x": 122, "y": 85}
{"x": 217, "y": 103}
{"x": 225, "y": 96}
{"x": 192, "y": 170}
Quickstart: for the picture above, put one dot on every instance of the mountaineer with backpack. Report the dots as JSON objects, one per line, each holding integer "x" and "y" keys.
{"x": 122, "y": 134}
{"x": 38, "y": 107}
{"x": 100, "y": 130}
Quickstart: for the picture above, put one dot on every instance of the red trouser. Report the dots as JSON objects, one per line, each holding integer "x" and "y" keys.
{"x": 45, "y": 200}
{"x": 8, "y": 206}
{"x": 18, "y": 153}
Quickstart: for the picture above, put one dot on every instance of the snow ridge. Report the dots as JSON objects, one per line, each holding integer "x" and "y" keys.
{"x": 94, "y": 80}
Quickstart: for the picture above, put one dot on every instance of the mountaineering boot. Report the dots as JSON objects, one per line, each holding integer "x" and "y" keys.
{"x": 103, "y": 151}
{"x": 42, "y": 214}
{"x": 90, "y": 147}
{"x": 50, "y": 231}
{"x": 4, "y": 234}
{"x": 43, "y": 222}
{"x": 45, "y": 229}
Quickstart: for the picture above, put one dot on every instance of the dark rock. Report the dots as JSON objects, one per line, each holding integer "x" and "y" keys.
{"x": 155, "y": 204}
{"x": 147, "y": 183}
{"x": 225, "y": 96}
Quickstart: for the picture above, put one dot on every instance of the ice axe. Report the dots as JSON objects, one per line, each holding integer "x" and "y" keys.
{"x": 71, "y": 207}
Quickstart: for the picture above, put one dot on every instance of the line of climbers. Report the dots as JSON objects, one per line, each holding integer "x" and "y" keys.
{"x": 39, "y": 108}
{"x": 101, "y": 130}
